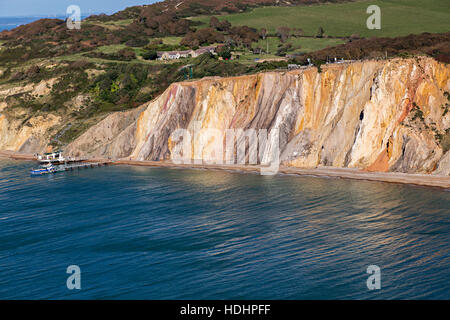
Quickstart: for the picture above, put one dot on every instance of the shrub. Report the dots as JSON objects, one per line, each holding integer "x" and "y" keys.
{"x": 127, "y": 54}
{"x": 225, "y": 53}
{"x": 320, "y": 33}
{"x": 202, "y": 37}
{"x": 137, "y": 42}
{"x": 150, "y": 55}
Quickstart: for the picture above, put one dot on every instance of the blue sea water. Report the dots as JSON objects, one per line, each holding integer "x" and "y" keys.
{"x": 9, "y": 23}
{"x": 154, "y": 233}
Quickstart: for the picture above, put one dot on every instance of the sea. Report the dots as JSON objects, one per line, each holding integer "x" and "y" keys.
{"x": 9, "y": 23}
{"x": 158, "y": 233}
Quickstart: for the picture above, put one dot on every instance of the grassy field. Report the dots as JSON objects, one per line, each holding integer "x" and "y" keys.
{"x": 110, "y": 25}
{"x": 248, "y": 58}
{"x": 173, "y": 41}
{"x": 303, "y": 45}
{"x": 124, "y": 22}
{"x": 112, "y": 49}
{"x": 398, "y": 18}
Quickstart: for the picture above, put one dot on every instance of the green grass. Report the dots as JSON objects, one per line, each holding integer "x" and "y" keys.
{"x": 312, "y": 44}
{"x": 80, "y": 56}
{"x": 123, "y": 22}
{"x": 398, "y": 18}
{"x": 305, "y": 44}
{"x": 111, "y": 25}
{"x": 117, "y": 47}
{"x": 111, "y": 48}
{"x": 248, "y": 58}
{"x": 172, "y": 41}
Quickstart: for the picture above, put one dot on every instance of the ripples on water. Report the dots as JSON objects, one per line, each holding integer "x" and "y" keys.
{"x": 150, "y": 233}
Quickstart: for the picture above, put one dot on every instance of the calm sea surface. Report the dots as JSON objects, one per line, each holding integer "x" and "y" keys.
{"x": 151, "y": 233}
{"x": 8, "y": 23}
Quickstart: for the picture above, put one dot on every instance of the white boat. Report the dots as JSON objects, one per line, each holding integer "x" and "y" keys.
{"x": 52, "y": 157}
{"x": 47, "y": 168}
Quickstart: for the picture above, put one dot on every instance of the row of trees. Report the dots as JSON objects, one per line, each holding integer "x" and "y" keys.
{"x": 223, "y": 32}
{"x": 435, "y": 45}
{"x": 285, "y": 32}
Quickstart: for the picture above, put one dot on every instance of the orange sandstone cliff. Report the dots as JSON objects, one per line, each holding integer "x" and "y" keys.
{"x": 387, "y": 115}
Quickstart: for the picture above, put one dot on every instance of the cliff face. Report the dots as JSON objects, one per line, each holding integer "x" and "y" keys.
{"x": 20, "y": 132}
{"x": 374, "y": 115}
{"x": 113, "y": 137}
{"x": 26, "y": 138}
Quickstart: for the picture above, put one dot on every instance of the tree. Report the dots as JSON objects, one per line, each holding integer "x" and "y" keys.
{"x": 214, "y": 23}
{"x": 263, "y": 33}
{"x": 201, "y": 37}
{"x": 126, "y": 54}
{"x": 320, "y": 33}
{"x": 257, "y": 50}
{"x": 225, "y": 25}
{"x": 244, "y": 35}
{"x": 225, "y": 53}
{"x": 150, "y": 55}
{"x": 283, "y": 33}
{"x": 298, "y": 32}
{"x": 220, "y": 26}
{"x": 282, "y": 50}
{"x": 229, "y": 41}
{"x": 33, "y": 71}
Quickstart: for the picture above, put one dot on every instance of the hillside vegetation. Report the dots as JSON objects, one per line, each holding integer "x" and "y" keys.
{"x": 110, "y": 64}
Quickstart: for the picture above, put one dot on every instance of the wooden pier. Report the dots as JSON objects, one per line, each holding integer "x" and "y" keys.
{"x": 79, "y": 166}
{"x": 69, "y": 166}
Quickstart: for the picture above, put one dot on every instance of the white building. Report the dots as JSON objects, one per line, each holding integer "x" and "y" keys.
{"x": 172, "y": 55}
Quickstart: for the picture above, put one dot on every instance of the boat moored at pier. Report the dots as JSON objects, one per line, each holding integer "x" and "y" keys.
{"x": 56, "y": 158}
{"x": 50, "y": 168}
{"x": 44, "y": 169}
{"x": 52, "y": 157}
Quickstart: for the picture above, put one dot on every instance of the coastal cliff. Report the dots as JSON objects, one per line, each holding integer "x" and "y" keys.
{"x": 389, "y": 115}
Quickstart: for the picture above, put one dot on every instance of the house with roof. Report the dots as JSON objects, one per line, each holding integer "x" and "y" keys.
{"x": 172, "y": 55}
{"x": 202, "y": 50}
{"x": 186, "y": 53}
{"x": 168, "y": 55}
